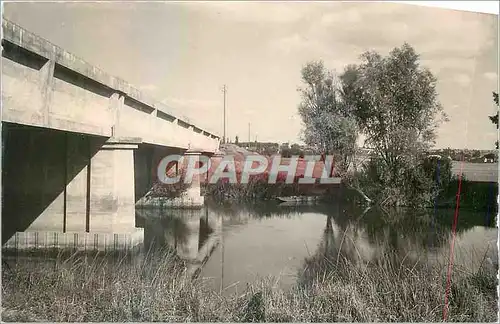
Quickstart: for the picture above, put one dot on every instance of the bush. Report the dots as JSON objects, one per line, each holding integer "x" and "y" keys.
{"x": 414, "y": 183}
{"x": 174, "y": 190}
{"x": 479, "y": 196}
{"x": 257, "y": 188}
{"x": 439, "y": 171}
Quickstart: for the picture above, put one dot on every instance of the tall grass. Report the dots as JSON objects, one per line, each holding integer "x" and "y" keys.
{"x": 157, "y": 288}
{"x": 257, "y": 188}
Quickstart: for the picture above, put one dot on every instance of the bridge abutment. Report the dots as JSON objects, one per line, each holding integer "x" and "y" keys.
{"x": 66, "y": 190}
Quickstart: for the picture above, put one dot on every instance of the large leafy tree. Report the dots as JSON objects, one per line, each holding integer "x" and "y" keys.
{"x": 394, "y": 101}
{"x": 494, "y": 118}
{"x": 329, "y": 124}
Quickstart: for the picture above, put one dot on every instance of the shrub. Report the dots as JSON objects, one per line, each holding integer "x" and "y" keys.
{"x": 256, "y": 188}
{"x": 174, "y": 190}
{"x": 415, "y": 183}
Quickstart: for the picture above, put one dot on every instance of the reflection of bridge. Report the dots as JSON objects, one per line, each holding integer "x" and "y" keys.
{"x": 193, "y": 234}
{"x": 79, "y": 146}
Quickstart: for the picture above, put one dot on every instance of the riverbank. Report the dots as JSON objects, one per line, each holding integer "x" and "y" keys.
{"x": 478, "y": 196}
{"x": 156, "y": 289}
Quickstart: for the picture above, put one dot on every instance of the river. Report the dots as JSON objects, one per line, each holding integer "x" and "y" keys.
{"x": 230, "y": 246}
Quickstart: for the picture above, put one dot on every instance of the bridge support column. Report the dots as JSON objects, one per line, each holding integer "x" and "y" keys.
{"x": 96, "y": 211}
{"x": 112, "y": 191}
{"x": 193, "y": 193}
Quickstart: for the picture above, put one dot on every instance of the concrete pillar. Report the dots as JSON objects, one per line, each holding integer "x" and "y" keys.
{"x": 193, "y": 193}
{"x": 116, "y": 102}
{"x": 92, "y": 208}
{"x": 46, "y": 84}
{"x": 112, "y": 188}
{"x": 78, "y": 156}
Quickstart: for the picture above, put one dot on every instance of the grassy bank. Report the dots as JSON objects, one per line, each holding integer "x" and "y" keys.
{"x": 156, "y": 289}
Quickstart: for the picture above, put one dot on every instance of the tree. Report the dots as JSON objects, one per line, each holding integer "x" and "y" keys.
{"x": 494, "y": 118}
{"x": 285, "y": 150}
{"x": 329, "y": 123}
{"x": 296, "y": 150}
{"x": 394, "y": 102}
{"x": 236, "y": 140}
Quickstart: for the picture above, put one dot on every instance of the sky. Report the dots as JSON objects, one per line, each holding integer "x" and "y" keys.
{"x": 183, "y": 53}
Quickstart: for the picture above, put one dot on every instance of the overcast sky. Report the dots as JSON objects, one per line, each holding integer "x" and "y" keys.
{"x": 182, "y": 54}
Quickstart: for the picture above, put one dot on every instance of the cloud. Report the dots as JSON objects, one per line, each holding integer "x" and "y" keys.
{"x": 193, "y": 110}
{"x": 446, "y": 39}
{"x": 463, "y": 80}
{"x": 350, "y": 15}
{"x": 297, "y": 43}
{"x": 148, "y": 87}
{"x": 288, "y": 43}
{"x": 255, "y": 12}
{"x": 492, "y": 76}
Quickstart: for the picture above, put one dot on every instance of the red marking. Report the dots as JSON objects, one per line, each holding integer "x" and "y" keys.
{"x": 452, "y": 243}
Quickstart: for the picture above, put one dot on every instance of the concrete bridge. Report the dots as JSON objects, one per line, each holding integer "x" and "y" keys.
{"x": 79, "y": 148}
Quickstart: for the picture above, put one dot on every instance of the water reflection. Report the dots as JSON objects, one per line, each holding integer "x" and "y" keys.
{"x": 399, "y": 237}
{"x": 233, "y": 245}
{"x": 187, "y": 232}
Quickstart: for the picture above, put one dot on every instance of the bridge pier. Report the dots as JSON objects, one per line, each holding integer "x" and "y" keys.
{"x": 190, "y": 198}
{"x": 112, "y": 191}
{"x": 64, "y": 190}
{"x": 193, "y": 193}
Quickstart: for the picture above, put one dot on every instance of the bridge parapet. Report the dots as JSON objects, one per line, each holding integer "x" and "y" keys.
{"x": 46, "y": 86}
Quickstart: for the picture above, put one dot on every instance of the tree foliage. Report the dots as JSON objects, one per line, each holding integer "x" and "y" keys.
{"x": 394, "y": 101}
{"x": 494, "y": 118}
{"x": 329, "y": 124}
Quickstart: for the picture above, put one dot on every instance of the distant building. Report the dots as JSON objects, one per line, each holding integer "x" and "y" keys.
{"x": 489, "y": 158}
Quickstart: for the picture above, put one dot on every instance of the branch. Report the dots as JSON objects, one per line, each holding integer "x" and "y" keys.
{"x": 365, "y": 197}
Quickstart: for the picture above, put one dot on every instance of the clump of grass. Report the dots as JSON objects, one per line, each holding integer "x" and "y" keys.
{"x": 257, "y": 188}
{"x": 173, "y": 190}
{"x": 157, "y": 288}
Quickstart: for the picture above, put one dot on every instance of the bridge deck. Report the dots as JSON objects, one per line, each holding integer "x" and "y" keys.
{"x": 45, "y": 86}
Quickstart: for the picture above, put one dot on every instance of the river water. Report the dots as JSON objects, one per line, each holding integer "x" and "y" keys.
{"x": 230, "y": 246}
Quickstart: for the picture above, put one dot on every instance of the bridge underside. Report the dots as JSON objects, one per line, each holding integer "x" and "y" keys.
{"x": 79, "y": 147}
{"x": 63, "y": 189}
